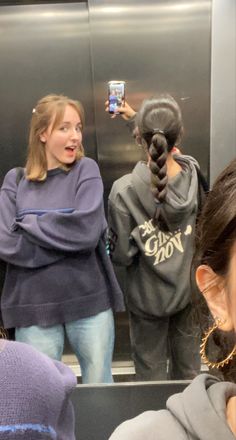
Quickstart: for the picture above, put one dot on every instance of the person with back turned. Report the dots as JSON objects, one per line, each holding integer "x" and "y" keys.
{"x": 152, "y": 215}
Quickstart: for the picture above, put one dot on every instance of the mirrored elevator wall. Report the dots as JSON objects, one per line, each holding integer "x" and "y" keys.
{"x": 74, "y": 48}
{"x": 154, "y": 46}
{"x": 223, "y": 86}
{"x": 44, "y": 48}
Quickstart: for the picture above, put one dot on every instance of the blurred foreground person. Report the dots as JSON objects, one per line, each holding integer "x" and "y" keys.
{"x": 206, "y": 410}
{"x": 35, "y": 395}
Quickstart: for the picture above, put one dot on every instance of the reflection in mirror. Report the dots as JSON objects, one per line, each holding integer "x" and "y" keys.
{"x": 161, "y": 60}
{"x": 57, "y": 246}
{"x": 151, "y": 216}
{"x": 122, "y": 365}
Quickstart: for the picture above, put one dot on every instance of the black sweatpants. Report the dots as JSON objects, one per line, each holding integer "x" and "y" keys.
{"x": 165, "y": 348}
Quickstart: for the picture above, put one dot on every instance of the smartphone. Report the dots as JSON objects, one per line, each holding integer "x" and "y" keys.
{"x": 116, "y": 95}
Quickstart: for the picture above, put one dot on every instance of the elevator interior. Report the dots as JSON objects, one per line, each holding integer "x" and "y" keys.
{"x": 75, "y": 48}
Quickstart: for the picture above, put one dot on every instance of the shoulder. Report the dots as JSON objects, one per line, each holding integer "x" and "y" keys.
{"x": 87, "y": 167}
{"x": 10, "y": 180}
{"x": 30, "y": 359}
{"x": 121, "y": 186}
{"x": 150, "y": 424}
{"x": 184, "y": 159}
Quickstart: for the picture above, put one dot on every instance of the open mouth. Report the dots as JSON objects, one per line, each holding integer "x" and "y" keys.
{"x": 70, "y": 149}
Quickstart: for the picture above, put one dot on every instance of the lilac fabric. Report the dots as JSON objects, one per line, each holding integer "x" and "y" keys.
{"x": 34, "y": 395}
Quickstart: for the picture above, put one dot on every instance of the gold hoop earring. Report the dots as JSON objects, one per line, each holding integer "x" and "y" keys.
{"x": 203, "y": 354}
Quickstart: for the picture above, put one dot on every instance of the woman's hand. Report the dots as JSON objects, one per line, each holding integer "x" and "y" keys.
{"x": 125, "y": 111}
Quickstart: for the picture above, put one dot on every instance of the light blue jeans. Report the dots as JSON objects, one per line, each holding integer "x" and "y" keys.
{"x": 92, "y": 340}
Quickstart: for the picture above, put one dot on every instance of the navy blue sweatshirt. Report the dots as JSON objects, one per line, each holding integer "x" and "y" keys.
{"x": 52, "y": 235}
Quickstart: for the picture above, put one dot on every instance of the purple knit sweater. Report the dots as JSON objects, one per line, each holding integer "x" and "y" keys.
{"x": 52, "y": 236}
{"x": 34, "y": 390}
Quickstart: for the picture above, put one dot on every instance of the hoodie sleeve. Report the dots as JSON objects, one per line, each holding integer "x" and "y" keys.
{"x": 131, "y": 123}
{"x": 78, "y": 231}
{"x": 121, "y": 224}
{"x": 15, "y": 248}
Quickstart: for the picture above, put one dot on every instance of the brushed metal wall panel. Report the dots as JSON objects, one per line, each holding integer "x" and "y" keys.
{"x": 158, "y": 45}
{"x": 43, "y": 49}
{"x": 223, "y": 85}
{"x": 155, "y": 46}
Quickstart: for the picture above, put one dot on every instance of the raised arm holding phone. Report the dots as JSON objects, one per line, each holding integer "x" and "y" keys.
{"x": 152, "y": 215}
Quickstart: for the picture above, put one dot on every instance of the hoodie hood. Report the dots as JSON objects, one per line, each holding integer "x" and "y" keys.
{"x": 198, "y": 413}
{"x": 201, "y": 408}
{"x": 182, "y": 190}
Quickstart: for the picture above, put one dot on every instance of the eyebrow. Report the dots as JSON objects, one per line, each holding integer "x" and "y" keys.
{"x": 69, "y": 123}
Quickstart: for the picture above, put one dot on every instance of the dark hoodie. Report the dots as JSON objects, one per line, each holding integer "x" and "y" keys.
{"x": 158, "y": 264}
{"x": 198, "y": 413}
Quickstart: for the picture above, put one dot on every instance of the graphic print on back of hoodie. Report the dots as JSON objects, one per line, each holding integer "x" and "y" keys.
{"x": 158, "y": 263}
{"x": 162, "y": 245}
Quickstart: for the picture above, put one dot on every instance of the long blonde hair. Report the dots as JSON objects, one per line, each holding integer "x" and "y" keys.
{"x": 42, "y": 115}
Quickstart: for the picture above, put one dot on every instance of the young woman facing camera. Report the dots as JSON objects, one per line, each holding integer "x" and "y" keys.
{"x": 206, "y": 410}
{"x": 52, "y": 225}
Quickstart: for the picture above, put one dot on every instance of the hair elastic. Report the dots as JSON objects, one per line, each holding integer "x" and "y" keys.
{"x": 158, "y": 131}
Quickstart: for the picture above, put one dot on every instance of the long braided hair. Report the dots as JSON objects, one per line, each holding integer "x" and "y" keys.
{"x": 160, "y": 128}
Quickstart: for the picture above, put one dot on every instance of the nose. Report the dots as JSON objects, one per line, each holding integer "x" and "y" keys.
{"x": 75, "y": 134}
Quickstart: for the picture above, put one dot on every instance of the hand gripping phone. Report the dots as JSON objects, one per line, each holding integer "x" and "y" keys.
{"x": 116, "y": 95}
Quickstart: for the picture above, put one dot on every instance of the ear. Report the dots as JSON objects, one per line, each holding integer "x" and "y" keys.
{"x": 43, "y": 137}
{"x": 212, "y": 287}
